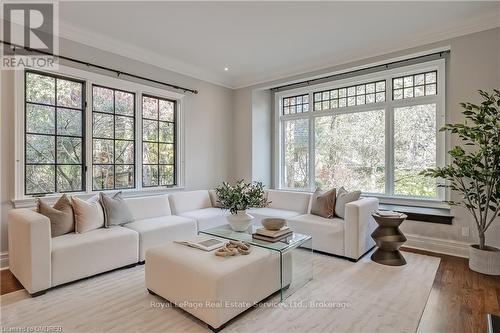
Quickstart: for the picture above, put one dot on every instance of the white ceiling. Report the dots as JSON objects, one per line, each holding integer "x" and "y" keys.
{"x": 263, "y": 41}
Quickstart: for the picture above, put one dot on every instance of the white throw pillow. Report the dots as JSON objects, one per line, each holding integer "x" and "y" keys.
{"x": 88, "y": 214}
{"x": 344, "y": 197}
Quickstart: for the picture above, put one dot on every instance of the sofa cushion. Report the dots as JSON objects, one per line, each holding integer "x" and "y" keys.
{"x": 327, "y": 234}
{"x": 288, "y": 200}
{"x": 214, "y": 199}
{"x": 158, "y": 230}
{"x": 88, "y": 214}
{"x": 323, "y": 203}
{"x": 149, "y": 207}
{"x": 271, "y": 212}
{"x": 116, "y": 211}
{"x": 181, "y": 202}
{"x": 207, "y": 217}
{"x": 60, "y": 215}
{"x": 344, "y": 197}
{"x": 75, "y": 256}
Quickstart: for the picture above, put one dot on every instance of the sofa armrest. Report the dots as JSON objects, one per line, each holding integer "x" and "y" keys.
{"x": 30, "y": 249}
{"x": 359, "y": 224}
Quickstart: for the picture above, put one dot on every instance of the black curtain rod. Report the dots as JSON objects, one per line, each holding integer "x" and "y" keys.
{"x": 118, "y": 72}
{"x": 366, "y": 70}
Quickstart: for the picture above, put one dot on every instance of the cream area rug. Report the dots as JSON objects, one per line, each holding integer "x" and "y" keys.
{"x": 342, "y": 297}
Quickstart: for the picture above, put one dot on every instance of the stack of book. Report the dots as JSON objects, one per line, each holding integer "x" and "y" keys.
{"x": 272, "y": 235}
{"x": 388, "y": 213}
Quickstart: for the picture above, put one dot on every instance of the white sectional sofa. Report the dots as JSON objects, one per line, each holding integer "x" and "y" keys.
{"x": 155, "y": 224}
{"x": 198, "y": 206}
{"x": 40, "y": 262}
{"x": 283, "y": 204}
{"x": 349, "y": 237}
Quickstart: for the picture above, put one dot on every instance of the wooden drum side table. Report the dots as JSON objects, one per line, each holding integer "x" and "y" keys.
{"x": 389, "y": 239}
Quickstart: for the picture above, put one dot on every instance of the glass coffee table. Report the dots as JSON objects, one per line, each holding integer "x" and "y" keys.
{"x": 295, "y": 255}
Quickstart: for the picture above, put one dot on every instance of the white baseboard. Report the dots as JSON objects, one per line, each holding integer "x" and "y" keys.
{"x": 438, "y": 245}
{"x": 4, "y": 260}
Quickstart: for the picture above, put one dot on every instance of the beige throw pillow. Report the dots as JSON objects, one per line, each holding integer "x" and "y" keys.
{"x": 88, "y": 214}
{"x": 344, "y": 197}
{"x": 60, "y": 215}
{"x": 116, "y": 211}
{"x": 323, "y": 203}
{"x": 214, "y": 199}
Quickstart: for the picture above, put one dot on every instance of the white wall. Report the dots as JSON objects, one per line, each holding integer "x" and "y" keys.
{"x": 262, "y": 136}
{"x": 474, "y": 64}
{"x": 242, "y": 134}
{"x": 208, "y": 120}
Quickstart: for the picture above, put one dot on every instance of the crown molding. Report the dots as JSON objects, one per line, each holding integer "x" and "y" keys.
{"x": 485, "y": 22}
{"x": 105, "y": 43}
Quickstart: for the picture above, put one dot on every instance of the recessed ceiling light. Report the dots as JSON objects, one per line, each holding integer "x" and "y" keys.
{"x": 226, "y": 69}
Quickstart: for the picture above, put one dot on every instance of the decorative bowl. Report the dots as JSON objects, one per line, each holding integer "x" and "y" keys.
{"x": 271, "y": 223}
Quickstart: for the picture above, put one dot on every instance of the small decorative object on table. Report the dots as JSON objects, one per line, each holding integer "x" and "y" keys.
{"x": 388, "y": 238}
{"x": 272, "y": 223}
{"x": 237, "y": 199}
{"x": 204, "y": 244}
{"x": 233, "y": 248}
{"x": 273, "y": 235}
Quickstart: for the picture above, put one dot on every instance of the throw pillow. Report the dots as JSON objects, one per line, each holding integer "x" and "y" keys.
{"x": 116, "y": 211}
{"x": 344, "y": 197}
{"x": 323, "y": 203}
{"x": 214, "y": 199}
{"x": 88, "y": 214}
{"x": 60, "y": 215}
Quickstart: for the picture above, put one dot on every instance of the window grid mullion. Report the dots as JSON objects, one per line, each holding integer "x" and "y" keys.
{"x": 389, "y": 144}
{"x": 311, "y": 144}
{"x": 114, "y": 139}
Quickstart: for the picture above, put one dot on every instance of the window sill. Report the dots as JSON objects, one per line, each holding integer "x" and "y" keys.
{"x": 29, "y": 202}
{"x": 422, "y": 214}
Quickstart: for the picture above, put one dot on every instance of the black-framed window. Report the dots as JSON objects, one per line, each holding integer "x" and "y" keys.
{"x": 54, "y": 151}
{"x": 360, "y": 94}
{"x": 416, "y": 85}
{"x": 296, "y": 104}
{"x": 113, "y": 138}
{"x": 159, "y": 154}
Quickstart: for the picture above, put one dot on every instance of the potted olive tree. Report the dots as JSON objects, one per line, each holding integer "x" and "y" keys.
{"x": 474, "y": 172}
{"x": 237, "y": 199}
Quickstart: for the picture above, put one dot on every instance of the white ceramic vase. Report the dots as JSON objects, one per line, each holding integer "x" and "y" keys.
{"x": 484, "y": 261}
{"x": 240, "y": 221}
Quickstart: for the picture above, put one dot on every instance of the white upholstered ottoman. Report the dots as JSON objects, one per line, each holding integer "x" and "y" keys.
{"x": 211, "y": 288}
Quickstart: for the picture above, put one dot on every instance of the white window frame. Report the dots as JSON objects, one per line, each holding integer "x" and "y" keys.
{"x": 91, "y": 78}
{"x": 389, "y": 105}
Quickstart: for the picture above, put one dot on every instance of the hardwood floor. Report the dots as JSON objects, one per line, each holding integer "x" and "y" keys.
{"x": 460, "y": 298}
{"x": 458, "y": 302}
{"x": 8, "y": 282}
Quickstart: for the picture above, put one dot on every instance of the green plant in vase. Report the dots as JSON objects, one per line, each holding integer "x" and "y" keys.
{"x": 474, "y": 173}
{"x": 238, "y": 198}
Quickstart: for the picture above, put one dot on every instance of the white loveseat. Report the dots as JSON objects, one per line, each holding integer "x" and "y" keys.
{"x": 40, "y": 262}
